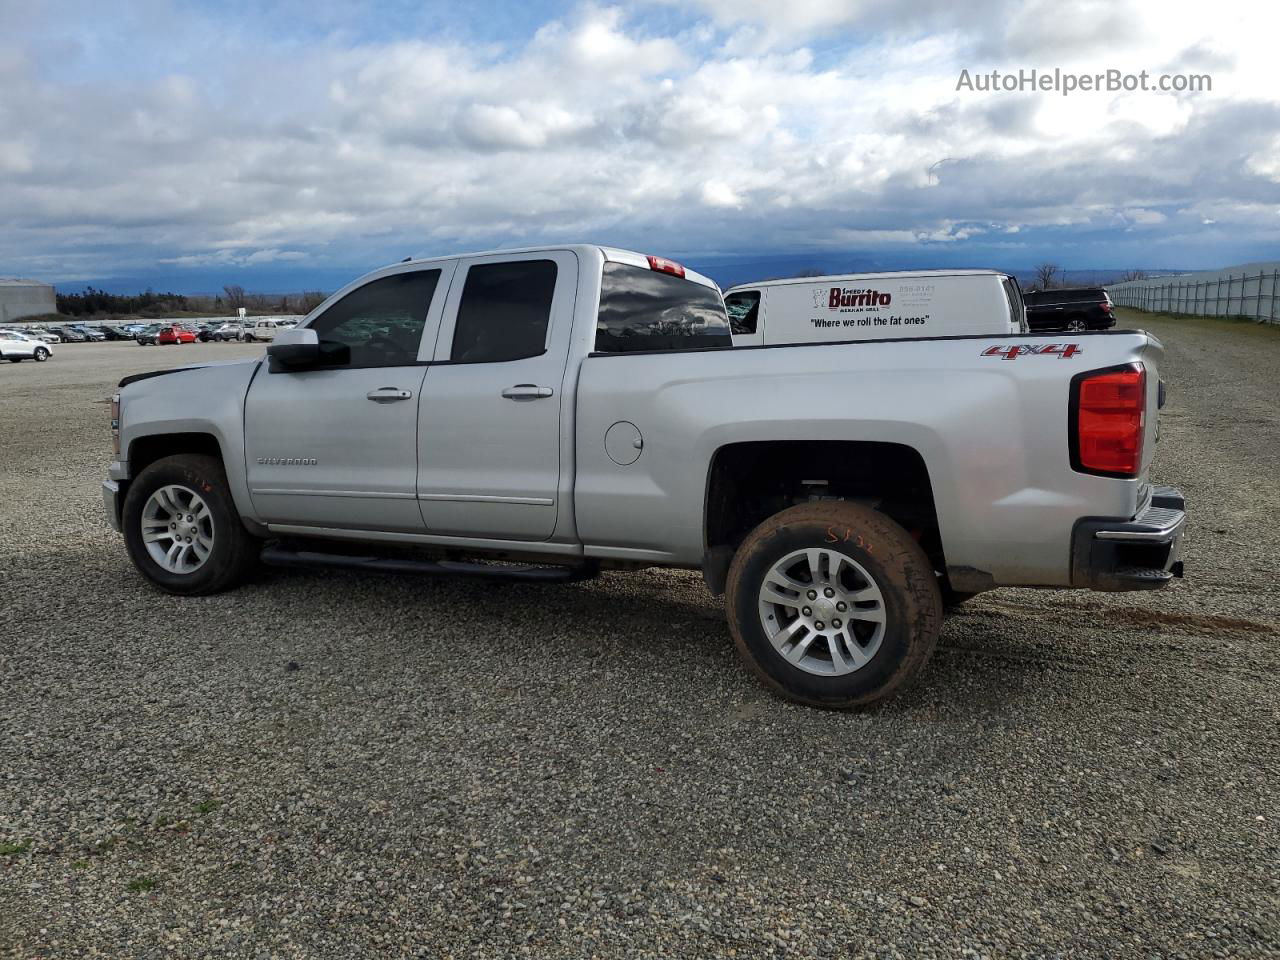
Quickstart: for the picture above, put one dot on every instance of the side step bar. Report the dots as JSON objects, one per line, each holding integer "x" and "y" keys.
{"x": 277, "y": 555}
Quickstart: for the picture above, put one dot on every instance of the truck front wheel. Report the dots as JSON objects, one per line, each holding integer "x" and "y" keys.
{"x": 181, "y": 527}
{"x": 833, "y": 604}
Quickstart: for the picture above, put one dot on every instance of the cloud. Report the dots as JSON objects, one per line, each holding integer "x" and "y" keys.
{"x": 751, "y": 127}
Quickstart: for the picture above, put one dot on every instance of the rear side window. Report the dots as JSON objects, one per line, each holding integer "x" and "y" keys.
{"x": 744, "y": 311}
{"x": 643, "y": 309}
{"x": 504, "y": 312}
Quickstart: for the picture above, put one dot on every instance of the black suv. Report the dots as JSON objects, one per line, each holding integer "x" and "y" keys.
{"x": 1069, "y": 308}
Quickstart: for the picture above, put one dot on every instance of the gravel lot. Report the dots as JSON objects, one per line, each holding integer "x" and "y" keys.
{"x": 333, "y": 765}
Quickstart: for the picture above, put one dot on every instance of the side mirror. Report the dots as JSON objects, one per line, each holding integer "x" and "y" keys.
{"x": 294, "y": 350}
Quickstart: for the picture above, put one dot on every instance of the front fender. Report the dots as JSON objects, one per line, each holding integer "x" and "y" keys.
{"x": 205, "y": 400}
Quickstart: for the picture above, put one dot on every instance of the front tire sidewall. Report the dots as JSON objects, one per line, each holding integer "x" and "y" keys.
{"x": 231, "y": 542}
{"x": 907, "y": 584}
{"x": 41, "y": 355}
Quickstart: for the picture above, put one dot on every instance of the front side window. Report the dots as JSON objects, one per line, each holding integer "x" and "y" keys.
{"x": 744, "y": 311}
{"x": 643, "y": 309}
{"x": 379, "y": 324}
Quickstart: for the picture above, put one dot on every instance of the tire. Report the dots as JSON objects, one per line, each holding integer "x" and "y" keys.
{"x": 41, "y": 354}
{"x": 879, "y": 557}
{"x": 1076, "y": 325}
{"x": 233, "y": 551}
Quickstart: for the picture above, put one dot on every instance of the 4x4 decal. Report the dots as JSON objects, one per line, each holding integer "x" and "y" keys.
{"x": 1064, "y": 350}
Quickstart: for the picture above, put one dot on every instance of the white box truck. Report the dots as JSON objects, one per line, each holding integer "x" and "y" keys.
{"x": 875, "y": 306}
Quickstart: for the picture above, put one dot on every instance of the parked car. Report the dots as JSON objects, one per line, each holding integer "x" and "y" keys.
{"x": 116, "y": 332}
{"x": 42, "y": 333}
{"x": 875, "y": 306}
{"x": 133, "y": 329}
{"x": 228, "y": 331}
{"x": 255, "y": 330}
{"x": 16, "y": 347}
{"x": 92, "y": 334}
{"x": 174, "y": 334}
{"x": 69, "y": 334}
{"x": 837, "y": 493}
{"x": 1074, "y": 309}
{"x": 203, "y": 332}
{"x": 146, "y": 337}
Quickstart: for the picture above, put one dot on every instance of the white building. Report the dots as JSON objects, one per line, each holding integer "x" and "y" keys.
{"x": 25, "y": 298}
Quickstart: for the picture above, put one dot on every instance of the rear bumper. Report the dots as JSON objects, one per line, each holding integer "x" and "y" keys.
{"x": 1144, "y": 553}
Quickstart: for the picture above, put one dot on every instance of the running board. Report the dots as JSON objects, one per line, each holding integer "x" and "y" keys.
{"x": 278, "y": 556}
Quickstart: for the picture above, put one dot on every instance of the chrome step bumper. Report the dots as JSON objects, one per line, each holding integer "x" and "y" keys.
{"x": 1144, "y": 553}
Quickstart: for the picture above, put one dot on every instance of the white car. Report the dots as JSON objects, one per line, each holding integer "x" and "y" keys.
{"x": 16, "y": 347}
{"x": 260, "y": 330}
{"x": 920, "y": 304}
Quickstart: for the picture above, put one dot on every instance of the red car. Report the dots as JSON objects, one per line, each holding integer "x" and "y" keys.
{"x": 175, "y": 335}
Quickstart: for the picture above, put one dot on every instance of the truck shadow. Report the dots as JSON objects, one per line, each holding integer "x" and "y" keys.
{"x": 660, "y": 620}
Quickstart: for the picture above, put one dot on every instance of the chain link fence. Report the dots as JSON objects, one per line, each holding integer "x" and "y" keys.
{"x": 1249, "y": 291}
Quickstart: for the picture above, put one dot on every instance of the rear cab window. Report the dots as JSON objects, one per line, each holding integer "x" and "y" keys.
{"x": 646, "y": 309}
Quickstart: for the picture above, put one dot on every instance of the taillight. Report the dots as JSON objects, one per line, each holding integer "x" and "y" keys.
{"x": 115, "y": 424}
{"x": 1108, "y": 416}
{"x": 663, "y": 265}
{"x": 1106, "y": 306}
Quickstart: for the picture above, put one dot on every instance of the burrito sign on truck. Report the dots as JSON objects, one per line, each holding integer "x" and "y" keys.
{"x": 875, "y": 306}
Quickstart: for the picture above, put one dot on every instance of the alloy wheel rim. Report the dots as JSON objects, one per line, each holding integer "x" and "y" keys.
{"x": 177, "y": 529}
{"x": 822, "y": 612}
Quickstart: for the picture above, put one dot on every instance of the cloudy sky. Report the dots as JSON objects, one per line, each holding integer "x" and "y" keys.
{"x": 191, "y": 143}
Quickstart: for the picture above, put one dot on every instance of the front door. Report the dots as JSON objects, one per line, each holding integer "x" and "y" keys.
{"x": 489, "y": 423}
{"x": 334, "y": 446}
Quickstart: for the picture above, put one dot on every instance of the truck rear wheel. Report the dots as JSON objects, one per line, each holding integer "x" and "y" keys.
{"x": 181, "y": 527}
{"x": 833, "y": 604}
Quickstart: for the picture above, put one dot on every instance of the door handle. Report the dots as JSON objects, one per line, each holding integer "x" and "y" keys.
{"x": 388, "y": 394}
{"x": 527, "y": 391}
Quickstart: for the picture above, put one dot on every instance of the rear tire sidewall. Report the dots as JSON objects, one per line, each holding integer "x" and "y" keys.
{"x": 898, "y": 567}
{"x": 233, "y": 547}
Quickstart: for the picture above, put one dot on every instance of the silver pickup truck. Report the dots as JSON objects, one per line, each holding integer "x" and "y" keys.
{"x": 543, "y": 413}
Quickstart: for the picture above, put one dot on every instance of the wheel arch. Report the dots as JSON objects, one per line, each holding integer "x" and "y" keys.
{"x": 749, "y": 481}
{"x": 147, "y": 448}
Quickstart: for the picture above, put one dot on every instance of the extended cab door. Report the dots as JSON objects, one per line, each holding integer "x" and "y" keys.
{"x": 335, "y": 446}
{"x": 489, "y": 420}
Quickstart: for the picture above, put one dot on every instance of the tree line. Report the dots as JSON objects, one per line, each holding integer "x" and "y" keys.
{"x": 1048, "y": 275}
{"x": 92, "y": 302}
